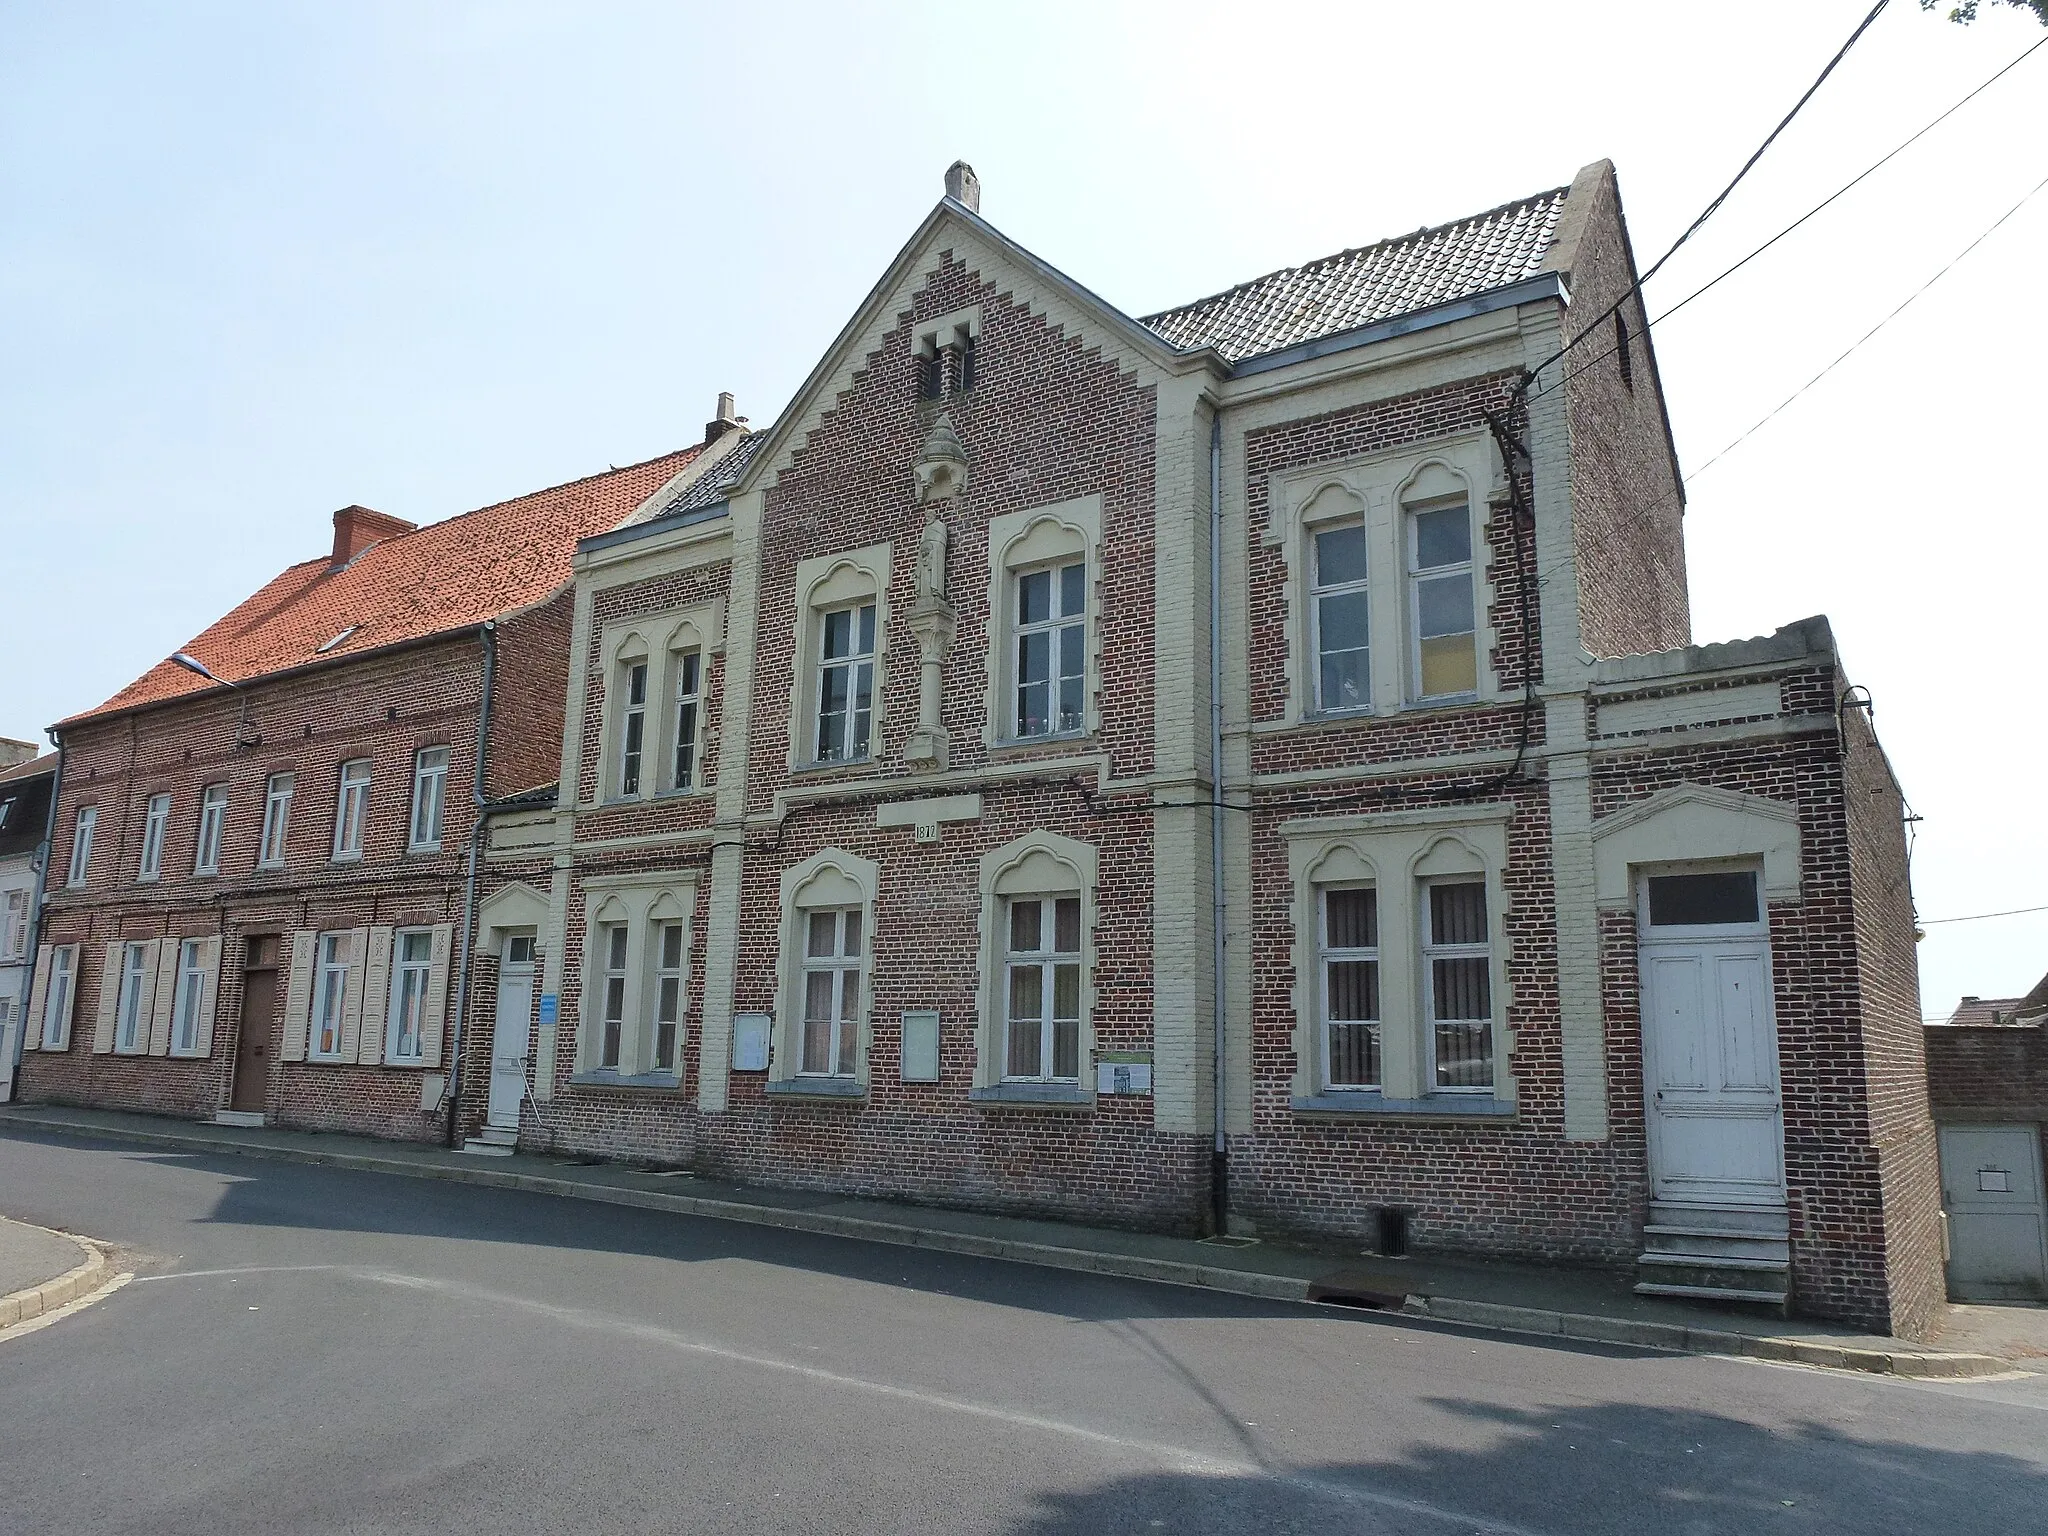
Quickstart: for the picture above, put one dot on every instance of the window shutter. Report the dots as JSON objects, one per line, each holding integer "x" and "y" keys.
{"x": 38, "y": 999}
{"x": 376, "y": 999}
{"x": 209, "y": 989}
{"x": 17, "y": 940}
{"x": 110, "y": 992}
{"x": 352, "y": 1003}
{"x": 436, "y": 1009}
{"x": 298, "y": 996}
{"x": 160, "y": 970}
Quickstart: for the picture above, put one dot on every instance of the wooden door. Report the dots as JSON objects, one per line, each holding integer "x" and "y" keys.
{"x": 252, "y": 1038}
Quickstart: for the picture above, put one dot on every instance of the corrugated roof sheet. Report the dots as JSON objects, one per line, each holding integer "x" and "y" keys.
{"x": 446, "y": 576}
{"x": 1376, "y": 282}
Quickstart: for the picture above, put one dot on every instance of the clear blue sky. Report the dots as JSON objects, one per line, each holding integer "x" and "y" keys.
{"x": 260, "y": 261}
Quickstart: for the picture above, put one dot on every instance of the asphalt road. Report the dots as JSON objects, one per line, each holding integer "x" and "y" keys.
{"x": 307, "y": 1349}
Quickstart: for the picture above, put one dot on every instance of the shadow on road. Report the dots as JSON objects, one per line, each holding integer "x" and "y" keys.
{"x": 1601, "y": 1468}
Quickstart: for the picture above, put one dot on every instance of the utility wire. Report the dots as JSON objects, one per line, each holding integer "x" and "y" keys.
{"x": 1887, "y": 320}
{"x": 1816, "y": 208}
{"x": 1713, "y": 207}
{"x": 1978, "y": 917}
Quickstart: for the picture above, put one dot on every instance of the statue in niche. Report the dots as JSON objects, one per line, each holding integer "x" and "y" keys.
{"x": 931, "y": 562}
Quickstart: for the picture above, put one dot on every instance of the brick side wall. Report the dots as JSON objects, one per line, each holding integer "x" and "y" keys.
{"x": 1627, "y": 509}
{"x": 526, "y": 708}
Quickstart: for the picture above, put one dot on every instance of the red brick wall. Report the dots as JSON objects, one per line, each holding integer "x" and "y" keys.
{"x": 526, "y": 708}
{"x": 1627, "y": 506}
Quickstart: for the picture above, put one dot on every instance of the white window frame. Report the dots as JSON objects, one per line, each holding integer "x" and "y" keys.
{"x": 131, "y": 1026}
{"x": 632, "y": 726}
{"x": 81, "y": 846}
{"x": 333, "y": 955}
{"x": 614, "y": 942}
{"x": 1047, "y": 960}
{"x": 1061, "y": 627}
{"x": 1317, "y": 591}
{"x": 409, "y": 987}
{"x": 687, "y": 706}
{"x": 1328, "y": 954}
{"x": 829, "y": 584}
{"x": 624, "y": 990}
{"x": 277, "y": 813}
{"x": 156, "y": 820}
{"x": 1433, "y": 950}
{"x": 863, "y": 628}
{"x": 1021, "y": 544}
{"x": 1411, "y": 514}
{"x": 831, "y": 880}
{"x": 57, "y": 1000}
{"x": 429, "y": 799}
{"x": 1046, "y": 866}
{"x": 190, "y": 997}
{"x": 671, "y": 984}
{"x": 352, "y": 809}
{"x": 844, "y": 965}
{"x": 213, "y": 819}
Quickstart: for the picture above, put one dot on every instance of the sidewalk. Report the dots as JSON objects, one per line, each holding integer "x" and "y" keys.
{"x": 41, "y": 1270}
{"x": 1589, "y": 1305}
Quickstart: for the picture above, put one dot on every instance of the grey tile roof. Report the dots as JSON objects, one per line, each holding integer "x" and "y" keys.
{"x": 717, "y": 480}
{"x": 1373, "y": 283}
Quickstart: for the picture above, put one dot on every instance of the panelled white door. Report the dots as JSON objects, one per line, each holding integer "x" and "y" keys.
{"x": 1997, "y": 1218}
{"x": 511, "y": 1036}
{"x": 1710, "y": 1057}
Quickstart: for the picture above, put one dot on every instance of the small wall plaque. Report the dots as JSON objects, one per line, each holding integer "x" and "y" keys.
{"x": 550, "y": 1008}
{"x": 1994, "y": 1181}
{"x": 921, "y": 1046}
{"x": 750, "y": 1042}
{"x": 1123, "y": 1072}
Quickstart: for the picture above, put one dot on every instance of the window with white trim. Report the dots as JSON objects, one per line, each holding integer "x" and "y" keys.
{"x": 156, "y": 819}
{"x": 429, "y": 799}
{"x": 831, "y": 992}
{"x": 81, "y": 845}
{"x": 129, "y": 1023}
{"x": 352, "y": 809}
{"x": 191, "y": 993}
{"x": 57, "y": 999}
{"x": 632, "y": 725}
{"x": 1443, "y": 629}
{"x": 213, "y": 816}
{"x": 1340, "y": 617}
{"x": 333, "y": 954}
{"x": 611, "y": 995}
{"x": 1042, "y": 975}
{"x": 669, "y": 953}
{"x": 1457, "y": 964}
{"x": 1349, "y": 987}
{"x": 846, "y": 684}
{"x": 412, "y": 954}
{"x": 1050, "y": 651}
{"x": 14, "y": 926}
{"x": 277, "y": 815}
{"x": 689, "y": 704}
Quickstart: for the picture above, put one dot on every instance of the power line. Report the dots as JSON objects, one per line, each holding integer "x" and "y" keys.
{"x": 1887, "y": 320}
{"x": 1846, "y": 186}
{"x": 1978, "y": 917}
{"x": 1713, "y": 207}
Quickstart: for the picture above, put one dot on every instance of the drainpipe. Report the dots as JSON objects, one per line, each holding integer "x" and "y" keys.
{"x": 35, "y": 917}
{"x": 479, "y": 801}
{"x": 1219, "y": 1157}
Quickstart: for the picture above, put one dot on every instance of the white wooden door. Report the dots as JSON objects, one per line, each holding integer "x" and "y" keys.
{"x": 1991, "y": 1188}
{"x": 1710, "y": 1055}
{"x": 511, "y": 1035}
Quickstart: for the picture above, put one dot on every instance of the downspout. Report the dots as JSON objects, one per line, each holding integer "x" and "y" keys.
{"x": 1219, "y": 1157}
{"x": 35, "y": 915}
{"x": 479, "y": 801}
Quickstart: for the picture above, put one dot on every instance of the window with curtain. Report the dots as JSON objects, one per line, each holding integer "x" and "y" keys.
{"x": 1350, "y": 984}
{"x": 1456, "y": 961}
{"x": 831, "y": 992}
{"x": 1042, "y": 976}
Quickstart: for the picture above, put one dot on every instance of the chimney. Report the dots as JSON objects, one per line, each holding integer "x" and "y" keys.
{"x": 725, "y": 422}
{"x": 963, "y": 186}
{"x": 14, "y": 753}
{"x": 357, "y": 528}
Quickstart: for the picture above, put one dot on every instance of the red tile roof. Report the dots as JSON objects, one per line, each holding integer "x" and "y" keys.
{"x": 1982, "y": 1011}
{"x": 444, "y": 577}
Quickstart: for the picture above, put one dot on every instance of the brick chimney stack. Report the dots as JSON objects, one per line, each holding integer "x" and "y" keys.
{"x": 357, "y": 528}
{"x": 725, "y": 421}
{"x": 963, "y": 186}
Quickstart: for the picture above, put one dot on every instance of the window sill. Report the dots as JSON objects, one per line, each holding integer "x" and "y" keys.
{"x": 694, "y": 792}
{"x": 346, "y": 858}
{"x": 1050, "y": 739}
{"x": 424, "y": 850}
{"x": 659, "y": 1081}
{"x": 837, "y": 764}
{"x": 327, "y": 1061}
{"x": 191, "y": 1055}
{"x": 1038, "y": 1095}
{"x": 841, "y": 1088}
{"x": 1435, "y": 1106}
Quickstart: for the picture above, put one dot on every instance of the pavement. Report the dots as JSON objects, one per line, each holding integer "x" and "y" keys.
{"x": 1591, "y": 1305}
{"x": 311, "y": 1348}
{"x": 44, "y": 1273}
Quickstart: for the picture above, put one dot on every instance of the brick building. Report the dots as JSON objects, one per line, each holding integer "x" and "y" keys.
{"x": 25, "y": 784}
{"x": 259, "y": 868}
{"x": 1242, "y": 767}
{"x": 1048, "y": 684}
